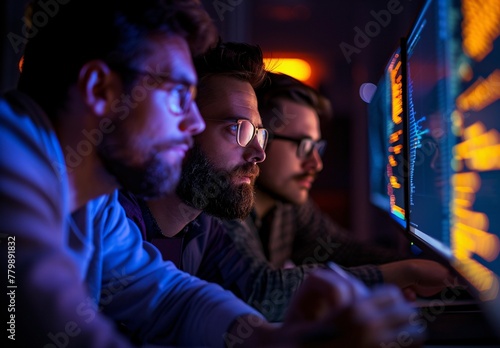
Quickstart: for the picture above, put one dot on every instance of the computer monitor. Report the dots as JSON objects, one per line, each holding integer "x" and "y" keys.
{"x": 428, "y": 113}
{"x": 386, "y": 139}
{"x": 453, "y": 111}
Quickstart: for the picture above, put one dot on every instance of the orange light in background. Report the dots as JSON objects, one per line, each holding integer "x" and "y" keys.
{"x": 20, "y": 64}
{"x": 295, "y": 67}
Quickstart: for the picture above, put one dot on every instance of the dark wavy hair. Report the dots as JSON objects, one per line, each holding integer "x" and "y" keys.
{"x": 78, "y": 31}
{"x": 281, "y": 86}
{"x": 241, "y": 61}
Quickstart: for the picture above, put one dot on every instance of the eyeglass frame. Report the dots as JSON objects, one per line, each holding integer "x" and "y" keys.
{"x": 189, "y": 96}
{"x": 319, "y": 145}
{"x": 239, "y": 121}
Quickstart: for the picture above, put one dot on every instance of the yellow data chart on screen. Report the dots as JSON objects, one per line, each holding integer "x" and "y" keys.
{"x": 395, "y": 150}
{"x": 476, "y": 156}
{"x": 434, "y": 156}
{"x": 453, "y": 71}
{"x": 386, "y": 139}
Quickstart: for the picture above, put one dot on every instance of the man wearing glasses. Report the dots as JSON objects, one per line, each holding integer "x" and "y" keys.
{"x": 218, "y": 180}
{"x": 286, "y": 228}
{"x": 288, "y": 222}
{"x": 119, "y": 113}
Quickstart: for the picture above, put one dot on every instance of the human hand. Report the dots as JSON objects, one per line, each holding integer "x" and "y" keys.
{"x": 330, "y": 310}
{"x": 321, "y": 297}
{"x": 383, "y": 319}
{"x": 417, "y": 277}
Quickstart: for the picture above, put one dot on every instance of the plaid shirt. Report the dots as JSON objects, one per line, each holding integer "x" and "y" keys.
{"x": 231, "y": 254}
{"x": 300, "y": 239}
{"x": 303, "y": 235}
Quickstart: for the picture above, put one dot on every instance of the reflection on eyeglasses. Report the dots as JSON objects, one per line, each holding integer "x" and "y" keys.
{"x": 246, "y": 132}
{"x": 305, "y": 146}
{"x": 180, "y": 94}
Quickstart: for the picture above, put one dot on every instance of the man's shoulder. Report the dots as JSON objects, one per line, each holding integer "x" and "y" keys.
{"x": 27, "y": 126}
{"x": 206, "y": 224}
{"x": 237, "y": 224}
{"x": 19, "y": 105}
{"x": 130, "y": 203}
{"x": 242, "y": 232}
{"x": 31, "y": 149}
{"x": 105, "y": 206}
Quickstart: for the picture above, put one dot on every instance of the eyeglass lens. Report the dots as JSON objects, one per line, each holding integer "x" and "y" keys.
{"x": 180, "y": 98}
{"x": 306, "y": 147}
{"x": 247, "y": 131}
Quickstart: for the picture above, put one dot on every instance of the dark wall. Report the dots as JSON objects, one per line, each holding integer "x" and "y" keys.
{"x": 10, "y": 26}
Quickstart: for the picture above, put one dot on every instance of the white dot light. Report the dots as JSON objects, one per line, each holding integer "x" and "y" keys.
{"x": 366, "y": 91}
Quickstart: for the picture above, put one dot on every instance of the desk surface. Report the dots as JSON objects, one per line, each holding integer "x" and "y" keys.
{"x": 461, "y": 346}
{"x": 457, "y": 327}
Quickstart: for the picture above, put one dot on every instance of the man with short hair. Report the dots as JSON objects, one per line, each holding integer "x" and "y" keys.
{"x": 286, "y": 228}
{"x": 290, "y": 225}
{"x": 217, "y": 179}
{"x": 119, "y": 114}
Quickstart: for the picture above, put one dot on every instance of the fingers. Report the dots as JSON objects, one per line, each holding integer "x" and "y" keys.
{"x": 322, "y": 293}
{"x": 358, "y": 289}
{"x": 430, "y": 278}
{"x": 390, "y": 307}
{"x": 409, "y": 294}
{"x": 332, "y": 309}
{"x": 424, "y": 277}
{"x": 394, "y": 318}
{"x": 383, "y": 318}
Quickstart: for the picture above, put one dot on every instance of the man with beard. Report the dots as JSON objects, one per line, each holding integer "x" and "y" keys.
{"x": 119, "y": 114}
{"x": 289, "y": 224}
{"x": 286, "y": 228}
{"x": 75, "y": 266}
{"x": 218, "y": 179}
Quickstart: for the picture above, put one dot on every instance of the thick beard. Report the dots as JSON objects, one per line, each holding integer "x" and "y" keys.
{"x": 207, "y": 188}
{"x": 151, "y": 179}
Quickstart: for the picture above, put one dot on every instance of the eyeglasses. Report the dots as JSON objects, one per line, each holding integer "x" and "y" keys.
{"x": 246, "y": 132}
{"x": 305, "y": 146}
{"x": 180, "y": 96}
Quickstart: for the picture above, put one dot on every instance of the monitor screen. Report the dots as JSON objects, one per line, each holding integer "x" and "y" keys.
{"x": 385, "y": 133}
{"x": 453, "y": 110}
{"x": 428, "y": 129}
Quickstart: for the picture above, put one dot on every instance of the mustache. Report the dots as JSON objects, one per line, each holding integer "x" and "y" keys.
{"x": 306, "y": 175}
{"x": 247, "y": 169}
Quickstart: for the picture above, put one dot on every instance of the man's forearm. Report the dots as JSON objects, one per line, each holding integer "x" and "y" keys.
{"x": 251, "y": 331}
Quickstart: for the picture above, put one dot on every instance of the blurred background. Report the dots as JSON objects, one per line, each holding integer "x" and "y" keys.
{"x": 343, "y": 45}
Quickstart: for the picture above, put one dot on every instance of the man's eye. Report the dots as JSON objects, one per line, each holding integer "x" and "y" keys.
{"x": 174, "y": 100}
{"x": 233, "y": 128}
{"x": 180, "y": 89}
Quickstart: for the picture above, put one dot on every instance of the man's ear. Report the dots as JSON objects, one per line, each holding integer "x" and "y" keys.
{"x": 99, "y": 86}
